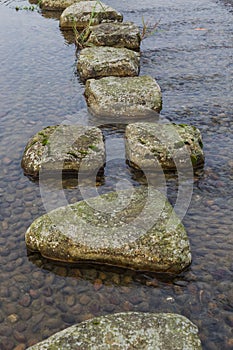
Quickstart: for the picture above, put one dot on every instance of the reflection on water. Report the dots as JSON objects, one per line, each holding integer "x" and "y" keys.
{"x": 40, "y": 87}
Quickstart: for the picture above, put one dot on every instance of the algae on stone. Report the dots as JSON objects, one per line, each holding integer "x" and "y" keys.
{"x": 126, "y": 331}
{"x": 173, "y": 146}
{"x": 128, "y": 96}
{"x": 86, "y": 13}
{"x": 98, "y": 62}
{"x": 125, "y": 34}
{"x": 133, "y": 229}
{"x": 64, "y": 148}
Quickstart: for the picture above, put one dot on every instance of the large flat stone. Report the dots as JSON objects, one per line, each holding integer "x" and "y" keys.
{"x": 126, "y": 331}
{"x": 64, "y": 148}
{"x": 85, "y": 13}
{"x": 129, "y": 96}
{"x": 125, "y": 34}
{"x": 132, "y": 229}
{"x": 172, "y": 145}
{"x": 98, "y": 62}
{"x": 56, "y": 5}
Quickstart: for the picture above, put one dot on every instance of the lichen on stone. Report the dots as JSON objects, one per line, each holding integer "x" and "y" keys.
{"x": 134, "y": 229}
{"x": 128, "y": 96}
{"x": 172, "y": 146}
{"x": 86, "y": 13}
{"x": 66, "y": 148}
{"x": 126, "y": 331}
{"x": 98, "y": 62}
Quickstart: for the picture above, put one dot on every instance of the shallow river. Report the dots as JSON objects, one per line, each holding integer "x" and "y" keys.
{"x": 190, "y": 55}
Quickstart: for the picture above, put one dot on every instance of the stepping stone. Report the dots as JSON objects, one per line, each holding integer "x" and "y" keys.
{"x": 173, "y": 146}
{"x": 136, "y": 229}
{"x": 124, "y": 34}
{"x": 64, "y": 148}
{"x": 128, "y": 96}
{"x": 56, "y": 5}
{"x": 125, "y": 331}
{"x": 98, "y": 62}
{"x": 85, "y": 13}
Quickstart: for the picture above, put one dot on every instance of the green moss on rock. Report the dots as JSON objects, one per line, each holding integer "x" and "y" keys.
{"x": 128, "y": 96}
{"x": 137, "y": 230}
{"x": 86, "y": 13}
{"x": 98, "y": 62}
{"x": 174, "y": 146}
{"x": 126, "y": 331}
{"x": 64, "y": 148}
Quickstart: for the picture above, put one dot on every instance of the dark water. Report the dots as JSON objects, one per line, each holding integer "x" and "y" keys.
{"x": 191, "y": 58}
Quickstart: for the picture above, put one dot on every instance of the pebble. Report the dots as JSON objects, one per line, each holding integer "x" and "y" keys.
{"x": 152, "y": 283}
{"x": 21, "y": 326}
{"x": 84, "y": 299}
{"x": 25, "y": 301}
{"x": 12, "y": 318}
{"x": 135, "y": 299}
{"x": 14, "y": 293}
{"x": 20, "y": 347}
{"x": 53, "y": 323}
{"x": 48, "y": 300}
{"x": 229, "y": 344}
{"x": 85, "y": 317}
{"x": 26, "y": 314}
{"x": 5, "y": 330}
{"x": 102, "y": 276}
{"x": 68, "y": 318}
{"x": 170, "y": 299}
{"x": 19, "y": 336}
{"x": 114, "y": 299}
{"x": 70, "y": 300}
{"x": 127, "y": 306}
{"x": 77, "y": 309}
{"x": 34, "y": 293}
{"x": 108, "y": 307}
{"x": 50, "y": 311}
{"x": 229, "y": 320}
{"x": 7, "y": 344}
{"x": 98, "y": 284}
{"x": 93, "y": 307}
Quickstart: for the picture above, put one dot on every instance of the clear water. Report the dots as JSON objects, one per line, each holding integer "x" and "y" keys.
{"x": 191, "y": 58}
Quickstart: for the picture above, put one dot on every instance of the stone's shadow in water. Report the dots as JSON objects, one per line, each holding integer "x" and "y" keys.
{"x": 92, "y": 272}
{"x": 68, "y": 36}
{"x": 66, "y": 180}
{"x": 117, "y": 118}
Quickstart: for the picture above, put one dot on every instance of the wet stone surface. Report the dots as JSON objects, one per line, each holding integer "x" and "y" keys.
{"x": 173, "y": 146}
{"x": 127, "y": 331}
{"x": 139, "y": 231}
{"x": 85, "y": 13}
{"x": 56, "y": 5}
{"x": 40, "y": 88}
{"x": 64, "y": 148}
{"x": 98, "y": 62}
{"x": 129, "y": 96}
{"x": 125, "y": 34}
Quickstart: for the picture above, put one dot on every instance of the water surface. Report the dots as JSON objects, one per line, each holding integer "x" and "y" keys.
{"x": 191, "y": 58}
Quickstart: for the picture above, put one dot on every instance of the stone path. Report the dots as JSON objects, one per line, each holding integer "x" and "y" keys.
{"x": 82, "y": 232}
{"x": 81, "y": 149}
